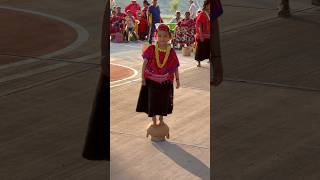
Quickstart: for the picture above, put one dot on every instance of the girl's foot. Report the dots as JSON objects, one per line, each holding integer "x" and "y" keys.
{"x": 161, "y": 123}
{"x": 199, "y": 65}
{"x": 154, "y": 120}
{"x": 161, "y": 120}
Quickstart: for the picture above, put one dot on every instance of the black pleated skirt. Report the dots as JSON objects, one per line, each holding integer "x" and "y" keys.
{"x": 97, "y": 143}
{"x": 155, "y": 98}
{"x": 203, "y": 50}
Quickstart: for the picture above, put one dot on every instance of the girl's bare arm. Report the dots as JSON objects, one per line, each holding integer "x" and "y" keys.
{"x": 177, "y": 78}
{"x": 142, "y": 72}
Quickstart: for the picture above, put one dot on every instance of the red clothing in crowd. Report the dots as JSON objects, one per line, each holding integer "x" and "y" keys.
{"x": 121, "y": 15}
{"x": 113, "y": 27}
{"x": 204, "y": 19}
{"x": 143, "y": 25}
{"x": 145, "y": 8}
{"x": 133, "y": 8}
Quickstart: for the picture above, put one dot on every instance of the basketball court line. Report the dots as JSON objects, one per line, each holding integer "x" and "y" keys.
{"x": 46, "y": 68}
{"x": 82, "y": 36}
{"x": 135, "y": 73}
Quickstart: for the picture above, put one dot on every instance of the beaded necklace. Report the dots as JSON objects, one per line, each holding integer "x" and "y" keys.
{"x": 167, "y": 51}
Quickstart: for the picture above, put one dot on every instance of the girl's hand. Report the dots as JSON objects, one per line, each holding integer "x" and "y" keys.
{"x": 178, "y": 84}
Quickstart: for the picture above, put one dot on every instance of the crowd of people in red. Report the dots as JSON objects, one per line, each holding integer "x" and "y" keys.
{"x": 132, "y": 24}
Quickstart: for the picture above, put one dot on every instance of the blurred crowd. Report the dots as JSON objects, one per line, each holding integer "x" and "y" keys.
{"x": 135, "y": 23}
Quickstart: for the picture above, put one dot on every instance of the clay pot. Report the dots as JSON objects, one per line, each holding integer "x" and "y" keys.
{"x": 158, "y": 132}
{"x": 186, "y": 51}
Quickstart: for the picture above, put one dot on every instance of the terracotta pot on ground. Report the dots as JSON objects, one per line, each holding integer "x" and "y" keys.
{"x": 158, "y": 132}
{"x": 186, "y": 51}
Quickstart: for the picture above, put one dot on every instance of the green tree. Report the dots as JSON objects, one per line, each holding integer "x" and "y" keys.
{"x": 174, "y": 5}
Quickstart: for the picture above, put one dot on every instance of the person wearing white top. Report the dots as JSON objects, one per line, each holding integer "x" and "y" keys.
{"x": 193, "y": 9}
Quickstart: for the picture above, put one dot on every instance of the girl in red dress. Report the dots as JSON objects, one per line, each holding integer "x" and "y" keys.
{"x": 203, "y": 33}
{"x": 160, "y": 68}
{"x": 143, "y": 26}
{"x": 114, "y": 24}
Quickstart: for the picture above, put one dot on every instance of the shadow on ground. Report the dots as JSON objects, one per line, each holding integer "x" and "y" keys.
{"x": 184, "y": 159}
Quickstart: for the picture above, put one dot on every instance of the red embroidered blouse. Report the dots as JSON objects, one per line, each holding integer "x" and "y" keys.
{"x": 170, "y": 67}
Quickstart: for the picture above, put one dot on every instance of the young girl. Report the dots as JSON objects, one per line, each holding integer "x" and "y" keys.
{"x": 114, "y": 24}
{"x": 159, "y": 69}
{"x": 143, "y": 26}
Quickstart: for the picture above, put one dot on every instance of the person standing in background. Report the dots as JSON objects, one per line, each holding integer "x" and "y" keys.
{"x": 146, "y": 5}
{"x": 133, "y": 6}
{"x": 143, "y": 26}
{"x": 193, "y": 10}
{"x": 153, "y": 18}
{"x": 203, "y": 34}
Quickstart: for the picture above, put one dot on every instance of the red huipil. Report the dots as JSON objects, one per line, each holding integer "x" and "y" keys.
{"x": 203, "y": 19}
{"x": 143, "y": 25}
{"x": 155, "y": 73}
{"x": 133, "y": 8}
{"x": 113, "y": 27}
{"x": 121, "y": 15}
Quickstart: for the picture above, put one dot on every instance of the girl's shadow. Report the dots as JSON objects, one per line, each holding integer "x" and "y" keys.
{"x": 183, "y": 159}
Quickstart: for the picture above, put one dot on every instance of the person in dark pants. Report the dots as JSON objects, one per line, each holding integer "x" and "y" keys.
{"x": 97, "y": 143}
{"x": 153, "y": 18}
{"x": 284, "y": 7}
{"x": 203, "y": 34}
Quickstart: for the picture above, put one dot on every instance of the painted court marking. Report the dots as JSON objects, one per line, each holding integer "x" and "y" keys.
{"x": 47, "y": 68}
{"x": 135, "y": 73}
{"x": 82, "y": 36}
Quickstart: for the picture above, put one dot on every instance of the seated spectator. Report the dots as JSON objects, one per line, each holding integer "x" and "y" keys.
{"x": 119, "y": 13}
{"x": 133, "y": 7}
{"x": 114, "y": 24}
{"x": 177, "y": 18}
{"x": 130, "y": 24}
{"x": 185, "y": 30}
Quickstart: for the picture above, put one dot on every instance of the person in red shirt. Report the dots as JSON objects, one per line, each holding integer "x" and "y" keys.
{"x": 143, "y": 26}
{"x": 113, "y": 23}
{"x": 146, "y": 4}
{"x": 119, "y": 13}
{"x": 133, "y": 6}
{"x": 203, "y": 33}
